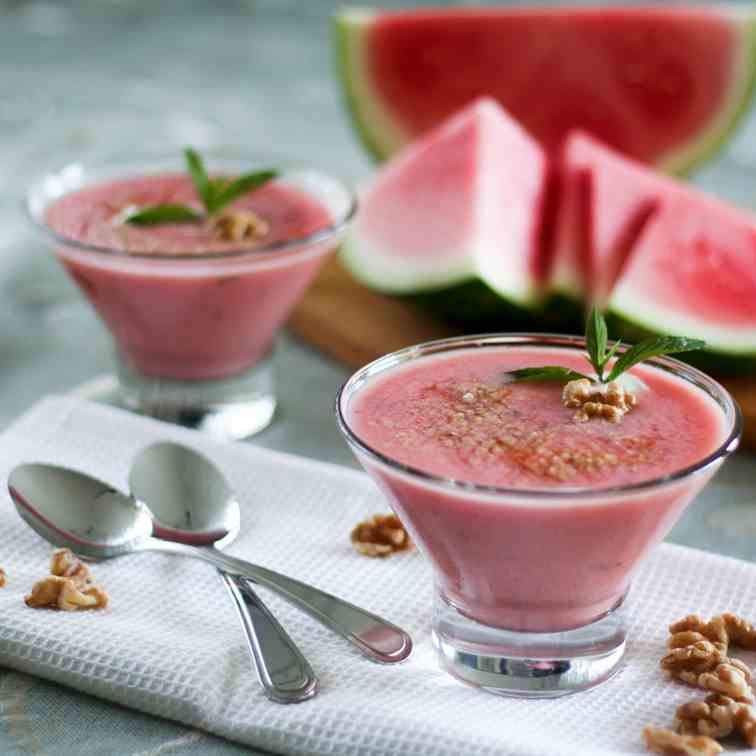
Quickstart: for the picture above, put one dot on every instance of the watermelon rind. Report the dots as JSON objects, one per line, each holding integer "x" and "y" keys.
{"x": 686, "y": 159}
{"x": 375, "y": 126}
{"x": 382, "y": 135}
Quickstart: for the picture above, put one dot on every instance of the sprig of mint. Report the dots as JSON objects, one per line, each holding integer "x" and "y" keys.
{"x": 596, "y": 343}
{"x": 215, "y": 195}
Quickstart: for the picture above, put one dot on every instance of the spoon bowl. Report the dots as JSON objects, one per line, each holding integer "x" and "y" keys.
{"x": 190, "y": 500}
{"x": 85, "y": 514}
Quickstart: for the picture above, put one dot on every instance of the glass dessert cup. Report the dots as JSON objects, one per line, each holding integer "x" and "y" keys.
{"x": 531, "y": 582}
{"x": 194, "y": 332}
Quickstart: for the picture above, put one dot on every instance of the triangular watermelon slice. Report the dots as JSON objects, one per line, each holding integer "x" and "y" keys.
{"x": 693, "y": 272}
{"x": 605, "y": 202}
{"x": 663, "y": 85}
{"x": 464, "y": 202}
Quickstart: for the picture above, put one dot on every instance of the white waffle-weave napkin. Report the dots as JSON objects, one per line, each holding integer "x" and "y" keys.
{"x": 170, "y": 643}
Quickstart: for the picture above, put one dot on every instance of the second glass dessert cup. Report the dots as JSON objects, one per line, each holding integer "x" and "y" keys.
{"x": 194, "y": 332}
{"x": 531, "y": 583}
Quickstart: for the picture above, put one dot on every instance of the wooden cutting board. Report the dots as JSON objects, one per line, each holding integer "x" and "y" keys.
{"x": 355, "y": 325}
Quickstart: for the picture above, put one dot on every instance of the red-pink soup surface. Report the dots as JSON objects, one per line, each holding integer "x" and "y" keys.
{"x": 188, "y": 319}
{"x": 515, "y": 561}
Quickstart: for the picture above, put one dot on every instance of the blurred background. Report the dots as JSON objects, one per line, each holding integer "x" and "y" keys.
{"x": 87, "y": 76}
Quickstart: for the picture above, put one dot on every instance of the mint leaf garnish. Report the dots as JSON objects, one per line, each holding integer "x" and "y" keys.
{"x": 152, "y": 216}
{"x": 225, "y": 193}
{"x": 549, "y": 373}
{"x": 199, "y": 176}
{"x": 655, "y": 347}
{"x": 215, "y": 194}
{"x": 596, "y": 342}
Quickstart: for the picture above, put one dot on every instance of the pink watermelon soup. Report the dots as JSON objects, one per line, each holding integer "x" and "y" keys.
{"x": 658, "y": 84}
{"x": 182, "y": 310}
{"x": 512, "y": 558}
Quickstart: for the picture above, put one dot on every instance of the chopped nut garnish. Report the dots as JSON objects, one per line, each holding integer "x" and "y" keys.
{"x": 671, "y": 743}
{"x": 718, "y": 716}
{"x": 381, "y": 536}
{"x": 3, "y": 578}
{"x": 69, "y": 587}
{"x": 610, "y": 401}
{"x": 239, "y": 225}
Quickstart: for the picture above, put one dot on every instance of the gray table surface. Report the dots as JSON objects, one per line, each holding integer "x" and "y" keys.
{"x": 79, "y": 78}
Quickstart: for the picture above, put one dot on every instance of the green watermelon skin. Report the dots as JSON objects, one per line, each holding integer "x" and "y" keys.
{"x": 664, "y": 85}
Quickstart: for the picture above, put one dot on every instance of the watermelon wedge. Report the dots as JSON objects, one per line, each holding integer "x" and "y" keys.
{"x": 693, "y": 272}
{"x": 464, "y": 202}
{"x": 606, "y": 200}
{"x": 663, "y": 85}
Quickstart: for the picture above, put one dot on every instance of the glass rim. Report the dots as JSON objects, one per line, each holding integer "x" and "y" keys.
{"x": 264, "y": 252}
{"x": 402, "y": 356}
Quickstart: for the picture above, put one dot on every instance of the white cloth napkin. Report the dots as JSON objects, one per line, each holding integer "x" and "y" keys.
{"x": 170, "y": 643}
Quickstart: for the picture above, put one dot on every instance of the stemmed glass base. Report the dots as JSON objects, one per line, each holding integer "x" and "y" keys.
{"x": 229, "y": 409}
{"x": 525, "y": 664}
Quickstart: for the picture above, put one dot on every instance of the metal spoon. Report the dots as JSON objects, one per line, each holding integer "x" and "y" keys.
{"x": 71, "y": 509}
{"x": 190, "y": 502}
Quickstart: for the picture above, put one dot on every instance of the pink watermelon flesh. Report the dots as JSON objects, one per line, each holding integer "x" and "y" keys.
{"x": 693, "y": 271}
{"x": 643, "y": 80}
{"x": 466, "y": 200}
{"x": 606, "y": 200}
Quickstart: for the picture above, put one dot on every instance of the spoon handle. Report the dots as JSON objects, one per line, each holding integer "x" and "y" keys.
{"x": 375, "y": 637}
{"x": 284, "y": 673}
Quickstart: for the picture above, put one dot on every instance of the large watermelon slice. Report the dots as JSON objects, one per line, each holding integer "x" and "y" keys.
{"x": 663, "y": 85}
{"x": 464, "y": 202}
{"x": 693, "y": 272}
{"x": 606, "y": 200}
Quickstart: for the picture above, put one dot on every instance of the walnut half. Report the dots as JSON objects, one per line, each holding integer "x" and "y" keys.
{"x": 3, "y": 577}
{"x": 381, "y": 536}
{"x": 718, "y": 716}
{"x": 63, "y": 593}
{"x": 69, "y": 587}
{"x": 239, "y": 225}
{"x": 659, "y": 740}
{"x": 592, "y": 399}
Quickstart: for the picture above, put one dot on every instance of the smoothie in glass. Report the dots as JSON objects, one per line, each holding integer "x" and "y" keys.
{"x": 193, "y": 308}
{"x": 533, "y": 521}
{"x": 198, "y": 323}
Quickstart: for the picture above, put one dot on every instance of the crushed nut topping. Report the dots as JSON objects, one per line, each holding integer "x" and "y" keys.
{"x": 718, "y": 716}
{"x": 610, "y": 401}
{"x": 381, "y": 536}
{"x": 239, "y": 225}
{"x": 68, "y": 587}
{"x": 671, "y": 743}
{"x": 3, "y": 577}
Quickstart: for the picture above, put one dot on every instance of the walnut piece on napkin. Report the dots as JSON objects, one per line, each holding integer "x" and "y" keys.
{"x": 380, "y": 536}
{"x": 670, "y": 743}
{"x": 3, "y": 577}
{"x": 718, "y": 716}
{"x": 68, "y": 587}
